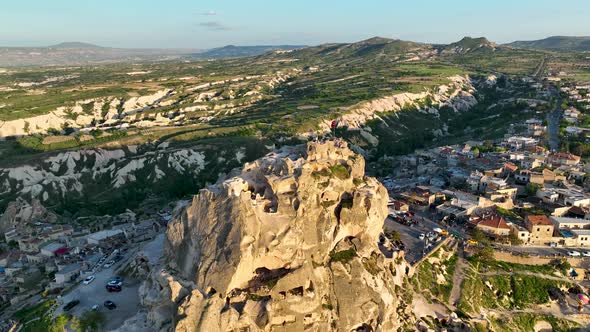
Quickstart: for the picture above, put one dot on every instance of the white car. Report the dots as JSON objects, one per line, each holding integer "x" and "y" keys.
{"x": 421, "y": 236}
{"x": 95, "y": 307}
{"x": 574, "y": 253}
{"x": 108, "y": 264}
{"x": 88, "y": 280}
{"x": 586, "y": 253}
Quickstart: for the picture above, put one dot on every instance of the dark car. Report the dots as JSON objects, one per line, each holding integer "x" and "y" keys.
{"x": 70, "y": 305}
{"x": 110, "y": 305}
{"x": 114, "y": 288}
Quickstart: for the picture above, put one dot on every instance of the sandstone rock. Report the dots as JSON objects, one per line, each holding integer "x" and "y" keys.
{"x": 21, "y": 212}
{"x": 288, "y": 243}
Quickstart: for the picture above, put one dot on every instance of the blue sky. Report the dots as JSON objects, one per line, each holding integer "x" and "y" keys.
{"x": 212, "y": 23}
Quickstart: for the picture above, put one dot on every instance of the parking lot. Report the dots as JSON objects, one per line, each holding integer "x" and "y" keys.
{"x": 415, "y": 248}
{"x": 127, "y": 300}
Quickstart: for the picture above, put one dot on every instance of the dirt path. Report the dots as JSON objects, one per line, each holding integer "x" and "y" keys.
{"x": 458, "y": 278}
{"x": 535, "y": 274}
{"x": 555, "y": 311}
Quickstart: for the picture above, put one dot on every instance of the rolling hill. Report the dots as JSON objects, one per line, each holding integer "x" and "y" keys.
{"x": 555, "y": 43}
{"x": 232, "y": 51}
{"x": 76, "y": 45}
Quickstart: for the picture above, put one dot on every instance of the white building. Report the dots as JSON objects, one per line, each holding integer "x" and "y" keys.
{"x": 105, "y": 235}
{"x": 67, "y": 274}
{"x": 570, "y": 223}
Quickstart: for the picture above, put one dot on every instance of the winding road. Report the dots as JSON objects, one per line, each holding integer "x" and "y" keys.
{"x": 553, "y": 120}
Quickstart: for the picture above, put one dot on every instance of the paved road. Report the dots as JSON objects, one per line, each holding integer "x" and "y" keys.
{"x": 544, "y": 250}
{"x": 540, "y": 70}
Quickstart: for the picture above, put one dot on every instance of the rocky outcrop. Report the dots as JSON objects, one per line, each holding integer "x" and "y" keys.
{"x": 288, "y": 243}
{"x": 20, "y": 212}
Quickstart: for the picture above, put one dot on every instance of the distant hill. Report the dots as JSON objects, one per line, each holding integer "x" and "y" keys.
{"x": 556, "y": 43}
{"x": 78, "y": 45}
{"x": 469, "y": 44}
{"x": 232, "y": 51}
{"x": 376, "y": 48}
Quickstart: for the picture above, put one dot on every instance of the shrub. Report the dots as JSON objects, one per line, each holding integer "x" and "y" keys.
{"x": 343, "y": 256}
{"x": 327, "y": 306}
{"x": 340, "y": 172}
{"x": 321, "y": 173}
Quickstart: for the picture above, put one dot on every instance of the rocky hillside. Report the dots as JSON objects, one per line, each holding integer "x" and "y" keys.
{"x": 191, "y": 104}
{"x": 457, "y": 95}
{"x": 288, "y": 243}
{"x": 469, "y": 44}
{"x": 96, "y": 177}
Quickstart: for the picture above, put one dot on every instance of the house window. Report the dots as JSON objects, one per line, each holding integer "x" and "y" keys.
{"x": 538, "y": 229}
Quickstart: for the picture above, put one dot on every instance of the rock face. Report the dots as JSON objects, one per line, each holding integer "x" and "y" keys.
{"x": 288, "y": 243}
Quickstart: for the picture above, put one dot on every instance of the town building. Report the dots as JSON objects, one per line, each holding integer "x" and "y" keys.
{"x": 520, "y": 232}
{"x": 540, "y": 228}
{"x": 53, "y": 249}
{"x": 570, "y": 223}
{"x": 563, "y": 158}
{"x": 68, "y": 273}
{"x": 494, "y": 225}
{"x": 105, "y": 236}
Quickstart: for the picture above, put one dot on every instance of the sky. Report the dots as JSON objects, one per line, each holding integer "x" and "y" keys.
{"x": 201, "y": 24}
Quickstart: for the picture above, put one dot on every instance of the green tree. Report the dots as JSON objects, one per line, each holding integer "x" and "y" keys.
{"x": 480, "y": 236}
{"x": 393, "y": 235}
{"x": 532, "y": 188}
{"x": 485, "y": 255}
{"x": 564, "y": 105}
{"x": 59, "y": 323}
{"x": 89, "y": 321}
{"x": 514, "y": 240}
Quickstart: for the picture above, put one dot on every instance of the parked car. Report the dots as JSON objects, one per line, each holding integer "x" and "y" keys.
{"x": 586, "y": 253}
{"x": 89, "y": 279}
{"x": 553, "y": 244}
{"x": 110, "y": 305}
{"x": 108, "y": 264}
{"x": 421, "y": 236}
{"x": 574, "y": 253}
{"x": 114, "y": 287}
{"x": 71, "y": 304}
{"x": 115, "y": 282}
{"x": 95, "y": 307}
{"x": 116, "y": 279}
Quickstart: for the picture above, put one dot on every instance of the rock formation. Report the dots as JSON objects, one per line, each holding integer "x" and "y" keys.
{"x": 20, "y": 212}
{"x": 288, "y": 243}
